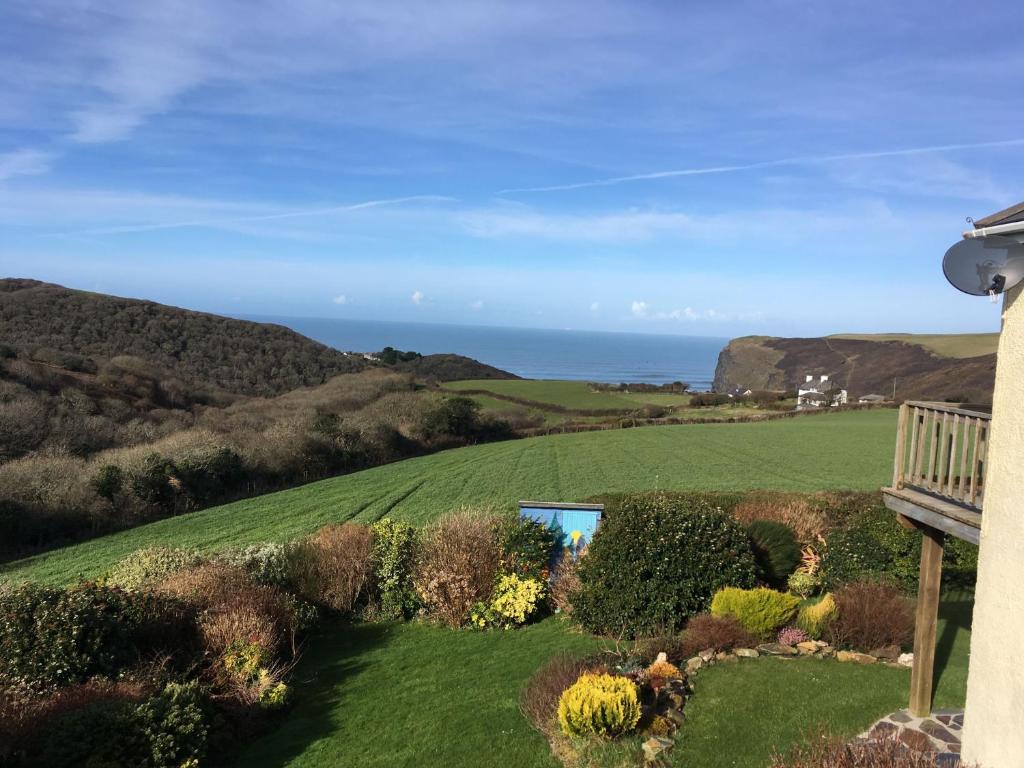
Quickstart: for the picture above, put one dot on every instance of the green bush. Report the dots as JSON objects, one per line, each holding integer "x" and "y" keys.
{"x": 168, "y": 730}
{"x": 149, "y": 565}
{"x": 873, "y": 546}
{"x": 108, "y": 481}
{"x": 775, "y": 549}
{"x": 761, "y": 611}
{"x": 803, "y": 584}
{"x": 209, "y": 473}
{"x": 394, "y": 564}
{"x": 152, "y": 481}
{"x": 53, "y": 636}
{"x": 267, "y": 563}
{"x": 526, "y": 546}
{"x": 657, "y": 560}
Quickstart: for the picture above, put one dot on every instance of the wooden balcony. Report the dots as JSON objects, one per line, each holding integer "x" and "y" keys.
{"x": 939, "y": 467}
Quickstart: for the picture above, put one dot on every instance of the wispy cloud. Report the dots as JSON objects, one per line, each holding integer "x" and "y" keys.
{"x": 477, "y": 305}
{"x": 417, "y": 297}
{"x": 24, "y": 162}
{"x": 340, "y": 299}
{"x": 802, "y": 160}
{"x": 639, "y": 308}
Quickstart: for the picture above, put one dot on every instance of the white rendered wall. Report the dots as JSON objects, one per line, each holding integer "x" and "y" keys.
{"x": 993, "y": 734}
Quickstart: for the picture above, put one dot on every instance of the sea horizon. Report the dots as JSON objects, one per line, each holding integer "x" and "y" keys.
{"x": 533, "y": 353}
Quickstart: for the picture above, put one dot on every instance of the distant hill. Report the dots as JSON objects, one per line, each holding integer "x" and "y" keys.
{"x": 932, "y": 367}
{"x": 451, "y": 368}
{"x": 50, "y": 323}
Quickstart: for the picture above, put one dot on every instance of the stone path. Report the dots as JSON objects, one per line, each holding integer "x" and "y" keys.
{"x": 938, "y": 733}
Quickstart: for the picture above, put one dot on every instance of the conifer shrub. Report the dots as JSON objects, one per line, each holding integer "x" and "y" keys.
{"x": 599, "y": 705}
{"x": 815, "y": 618}
{"x": 761, "y": 611}
{"x": 542, "y": 692}
{"x": 775, "y": 549}
{"x": 394, "y": 565}
{"x": 657, "y": 560}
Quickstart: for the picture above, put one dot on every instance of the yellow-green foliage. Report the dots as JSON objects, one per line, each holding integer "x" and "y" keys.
{"x": 599, "y": 705}
{"x": 761, "y": 611}
{"x": 245, "y": 660}
{"x": 516, "y": 599}
{"x": 814, "y": 619}
{"x": 273, "y": 693}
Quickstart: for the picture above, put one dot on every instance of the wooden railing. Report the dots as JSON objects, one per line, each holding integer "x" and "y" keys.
{"x": 942, "y": 449}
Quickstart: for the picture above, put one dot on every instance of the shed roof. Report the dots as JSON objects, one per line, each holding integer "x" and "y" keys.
{"x": 1009, "y": 215}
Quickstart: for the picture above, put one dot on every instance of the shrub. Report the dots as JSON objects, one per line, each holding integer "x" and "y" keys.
{"x": 875, "y": 547}
{"x": 803, "y": 584}
{"x": 814, "y": 619}
{"x": 394, "y": 562}
{"x": 145, "y": 566}
{"x": 457, "y": 566}
{"x": 871, "y": 615}
{"x": 663, "y": 669}
{"x": 333, "y": 567}
{"x": 267, "y": 563}
{"x": 542, "y": 692}
{"x": 526, "y": 546}
{"x": 761, "y": 611}
{"x": 792, "y": 636}
{"x": 719, "y": 633}
{"x": 253, "y": 677}
{"x": 52, "y": 636}
{"x": 807, "y": 516}
{"x": 657, "y": 560}
{"x": 108, "y": 482}
{"x": 599, "y": 705}
{"x": 173, "y": 725}
{"x": 775, "y": 550}
{"x": 565, "y": 583}
{"x": 515, "y": 600}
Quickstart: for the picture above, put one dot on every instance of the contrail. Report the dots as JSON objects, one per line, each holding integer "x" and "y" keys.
{"x": 213, "y": 223}
{"x": 804, "y": 160}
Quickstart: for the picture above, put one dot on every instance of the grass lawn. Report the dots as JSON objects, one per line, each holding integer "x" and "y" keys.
{"x": 569, "y": 394}
{"x": 849, "y": 450}
{"x": 417, "y": 695}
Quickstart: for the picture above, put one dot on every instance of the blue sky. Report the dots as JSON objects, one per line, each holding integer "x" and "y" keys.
{"x": 790, "y": 168}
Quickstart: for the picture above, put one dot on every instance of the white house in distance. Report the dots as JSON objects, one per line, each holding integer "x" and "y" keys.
{"x": 820, "y": 393}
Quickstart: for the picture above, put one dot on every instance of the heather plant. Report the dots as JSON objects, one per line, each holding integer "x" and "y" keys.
{"x": 792, "y": 636}
{"x": 761, "y": 611}
{"x": 146, "y": 566}
{"x": 655, "y": 561}
{"x": 457, "y": 566}
{"x": 599, "y": 705}
{"x": 717, "y": 633}
{"x": 394, "y": 563}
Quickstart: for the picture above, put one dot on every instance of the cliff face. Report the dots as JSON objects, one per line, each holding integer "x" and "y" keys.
{"x": 860, "y": 366}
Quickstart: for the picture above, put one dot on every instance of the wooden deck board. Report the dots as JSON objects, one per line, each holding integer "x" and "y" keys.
{"x": 950, "y": 517}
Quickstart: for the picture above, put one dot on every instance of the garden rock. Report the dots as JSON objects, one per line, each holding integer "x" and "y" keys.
{"x": 707, "y": 654}
{"x": 777, "y": 649}
{"x": 906, "y": 660}
{"x": 655, "y": 747}
{"x": 694, "y": 664}
{"x": 888, "y": 653}
{"x": 859, "y": 658}
{"x": 807, "y": 647}
{"x": 747, "y": 653}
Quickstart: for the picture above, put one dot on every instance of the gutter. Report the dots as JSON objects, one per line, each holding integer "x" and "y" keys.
{"x": 1015, "y": 228}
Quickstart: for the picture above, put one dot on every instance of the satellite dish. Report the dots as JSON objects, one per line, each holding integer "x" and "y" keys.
{"x": 984, "y": 266}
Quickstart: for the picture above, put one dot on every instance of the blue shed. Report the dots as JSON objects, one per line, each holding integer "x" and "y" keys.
{"x": 577, "y": 522}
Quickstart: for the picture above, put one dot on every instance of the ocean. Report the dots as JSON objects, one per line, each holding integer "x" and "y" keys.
{"x": 532, "y": 353}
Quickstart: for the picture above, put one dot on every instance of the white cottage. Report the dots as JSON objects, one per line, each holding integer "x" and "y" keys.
{"x": 819, "y": 394}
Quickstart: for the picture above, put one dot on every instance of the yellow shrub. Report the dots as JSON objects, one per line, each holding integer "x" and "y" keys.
{"x": 599, "y": 705}
{"x": 814, "y": 619}
{"x": 663, "y": 669}
{"x": 516, "y": 599}
{"x": 761, "y": 611}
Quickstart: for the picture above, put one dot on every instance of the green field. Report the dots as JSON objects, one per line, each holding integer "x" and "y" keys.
{"x": 960, "y": 345}
{"x": 419, "y": 695}
{"x": 851, "y": 450}
{"x": 576, "y": 395}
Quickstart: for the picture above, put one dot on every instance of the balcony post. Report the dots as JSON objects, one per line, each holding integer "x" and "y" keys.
{"x": 928, "y": 591}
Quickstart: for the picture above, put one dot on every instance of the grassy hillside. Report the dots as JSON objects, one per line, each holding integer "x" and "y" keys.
{"x": 959, "y": 345}
{"x": 863, "y": 365}
{"x": 851, "y": 450}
